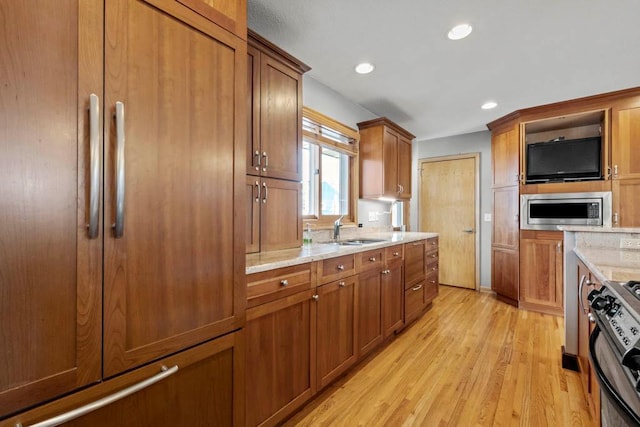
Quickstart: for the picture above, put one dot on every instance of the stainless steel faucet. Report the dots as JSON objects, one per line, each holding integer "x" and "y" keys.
{"x": 336, "y": 228}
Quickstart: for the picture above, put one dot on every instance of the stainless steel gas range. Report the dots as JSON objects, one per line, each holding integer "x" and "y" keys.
{"x": 614, "y": 349}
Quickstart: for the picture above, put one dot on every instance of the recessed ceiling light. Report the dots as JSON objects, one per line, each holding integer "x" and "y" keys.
{"x": 364, "y": 68}
{"x": 460, "y": 31}
{"x": 489, "y": 105}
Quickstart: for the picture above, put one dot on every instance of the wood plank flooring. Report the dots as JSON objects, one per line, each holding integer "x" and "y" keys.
{"x": 505, "y": 370}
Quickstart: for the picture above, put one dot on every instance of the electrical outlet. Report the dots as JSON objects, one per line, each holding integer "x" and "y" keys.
{"x": 630, "y": 244}
{"x": 487, "y": 217}
{"x": 631, "y": 256}
{"x": 373, "y": 216}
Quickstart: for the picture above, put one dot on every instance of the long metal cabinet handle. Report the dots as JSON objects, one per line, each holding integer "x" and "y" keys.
{"x": 257, "y": 185}
{"x": 120, "y": 177}
{"x": 265, "y": 193}
{"x": 94, "y": 161}
{"x": 90, "y": 407}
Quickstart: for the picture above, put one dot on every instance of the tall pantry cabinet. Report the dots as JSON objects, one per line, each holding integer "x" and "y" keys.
{"x": 121, "y": 150}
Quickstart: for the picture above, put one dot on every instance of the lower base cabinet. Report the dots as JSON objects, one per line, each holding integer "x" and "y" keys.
{"x": 392, "y": 305}
{"x": 541, "y": 272}
{"x": 369, "y": 319}
{"x": 206, "y": 389}
{"x": 414, "y": 302}
{"x": 336, "y": 320}
{"x": 279, "y": 357}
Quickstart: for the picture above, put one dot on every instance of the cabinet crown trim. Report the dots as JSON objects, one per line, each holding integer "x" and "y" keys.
{"x": 386, "y": 122}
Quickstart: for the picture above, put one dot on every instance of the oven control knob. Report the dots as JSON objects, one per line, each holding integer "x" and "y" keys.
{"x": 613, "y": 309}
{"x": 631, "y": 359}
{"x": 594, "y": 294}
{"x": 601, "y": 303}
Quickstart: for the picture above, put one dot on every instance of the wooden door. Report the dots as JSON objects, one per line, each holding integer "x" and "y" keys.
{"x": 625, "y": 155}
{"x": 253, "y": 200}
{"x": 414, "y": 262}
{"x": 392, "y": 298}
{"x": 626, "y": 202}
{"x": 175, "y": 277}
{"x": 448, "y": 207}
{"x": 541, "y": 274}
{"x": 368, "y": 291}
{"x": 404, "y": 168}
{"x": 280, "y": 357}
{"x": 505, "y": 273}
{"x": 254, "y": 153}
{"x": 336, "y": 329}
{"x": 505, "y": 158}
{"x": 280, "y": 216}
{"x": 280, "y": 120}
{"x": 50, "y": 269}
{"x": 202, "y": 386}
{"x": 390, "y": 141}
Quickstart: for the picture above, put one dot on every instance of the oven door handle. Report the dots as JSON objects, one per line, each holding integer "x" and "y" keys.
{"x": 605, "y": 384}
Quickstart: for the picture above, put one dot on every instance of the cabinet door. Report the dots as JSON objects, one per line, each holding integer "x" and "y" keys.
{"x": 392, "y": 298}
{"x": 583, "y": 326}
{"x": 50, "y": 269}
{"x": 254, "y": 154}
{"x": 506, "y": 220}
{"x": 279, "y": 359}
{"x": 229, "y": 14}
{"x": 505, "y": 273}
{"x": 626, "y": 202}
{"x": 541, "y": 274}
{"x": 280, "y": 120}
{"x": 505, "y": 156}
{"x": 404, "y": 168}
{"x": 413, "y": 302}
{"x": 336, "y": 323}
{"x": 253, "y": 200}
{"x": 369, "y": 324}
{"x": 625, "y": 156}
{"x": 280, "y": 216}
{"x": 390, "y": 141}
{"x": 202, "y": 386}
{"x": 414, "y": 263}
{"x": 175, "y": 277}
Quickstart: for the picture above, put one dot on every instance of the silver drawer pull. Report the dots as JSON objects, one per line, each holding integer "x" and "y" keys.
{"x": 342, "y": 284}
{"x": 284, "y": 282}
{"x": 433, "y": 281}
{"x": 266, "y": 161}
{"x": 396, "y": 254}
{"x": 315, "y": 297}
{"x": 434, "y": 256}
{"x": 434, "y": 268}
{"x": 340, "y": 267}
{"x": 256, "y": 155}
{"x": 417, "y": 288}
{"x": 372, "y": 259}
{"x": 101, "y": 403}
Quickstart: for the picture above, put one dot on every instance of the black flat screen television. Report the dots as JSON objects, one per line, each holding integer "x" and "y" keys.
{"x": 564, "y": 160}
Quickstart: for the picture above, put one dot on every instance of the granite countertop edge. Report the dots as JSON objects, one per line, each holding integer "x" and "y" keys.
{"x": 265, "y": 261}
{"x": 611, "y": 264}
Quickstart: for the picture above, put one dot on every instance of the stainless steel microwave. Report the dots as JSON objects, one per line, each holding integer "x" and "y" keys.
{"x": 547, "y": 211}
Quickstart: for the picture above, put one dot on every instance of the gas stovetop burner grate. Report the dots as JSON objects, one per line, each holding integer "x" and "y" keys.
{"x": 634, "y": 288}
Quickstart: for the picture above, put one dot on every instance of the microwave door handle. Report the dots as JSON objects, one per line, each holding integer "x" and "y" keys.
{"x": 605, "y": 384}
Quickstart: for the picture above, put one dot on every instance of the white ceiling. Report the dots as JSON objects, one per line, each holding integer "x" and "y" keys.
{"x": 521, "y": 53}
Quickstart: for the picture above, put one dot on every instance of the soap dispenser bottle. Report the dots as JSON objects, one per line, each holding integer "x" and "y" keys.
{"x": 306, "y": 238}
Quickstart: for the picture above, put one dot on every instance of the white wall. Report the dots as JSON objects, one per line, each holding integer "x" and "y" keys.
{"x": 478, "y": 142}
{"x": 325, "y": 100}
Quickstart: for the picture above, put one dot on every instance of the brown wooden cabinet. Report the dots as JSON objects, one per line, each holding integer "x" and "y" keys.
{"x": 415, "y": 268}
{"x": 541, "y": 279}
{"x": 173, "y": 276}
{"x": 505, "y": 156}
{"x": 280, "y": 357}
{"x": 505, "y": 266}
{"x": 385, "y": 160}
{"x": 229, "y": 14}
{"x": 392, "y": 292}
{"x": 432, "y": 270}
{"x": 625, "y": 160}
{"x": 369, "y": 319}
{"x": 201, "y": 386}
{"x": 626, "y": 202}
{"x": 275, "y": 101}
{"x": 590, "y": 385}
{"x": 336, "y": 348}
{"x": 274, "y": 218}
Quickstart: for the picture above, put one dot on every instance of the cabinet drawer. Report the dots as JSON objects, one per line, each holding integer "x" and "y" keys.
{"x": 273, "y": 284}
{"x": 432, "y": 243}
{"x": 413, "y": 301}
{"x": 432, "y": 256}
{"x": 336, "y": 268}
{"x": 369, "y": 260}
{"x": 393, "y": 252}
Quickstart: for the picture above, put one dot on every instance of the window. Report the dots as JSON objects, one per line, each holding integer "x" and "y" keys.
{"x": 329, "y": 167}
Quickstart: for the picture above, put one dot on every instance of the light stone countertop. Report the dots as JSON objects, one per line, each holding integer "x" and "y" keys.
{"x": 265, "y": 261}
{"x": 611, "y": 264}
{"x": 592, "y": 229}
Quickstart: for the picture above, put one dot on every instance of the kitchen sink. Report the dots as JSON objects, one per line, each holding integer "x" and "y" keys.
{"x": 357, "y": 242}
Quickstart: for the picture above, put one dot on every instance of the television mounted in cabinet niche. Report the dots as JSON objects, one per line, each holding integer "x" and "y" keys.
{"x": 565, "y": 149}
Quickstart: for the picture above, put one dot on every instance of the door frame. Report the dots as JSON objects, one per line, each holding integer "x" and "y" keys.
{"x": 476, "y": 207}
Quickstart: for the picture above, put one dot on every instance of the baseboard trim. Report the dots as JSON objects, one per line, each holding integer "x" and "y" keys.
{"x": 570, "y": 361}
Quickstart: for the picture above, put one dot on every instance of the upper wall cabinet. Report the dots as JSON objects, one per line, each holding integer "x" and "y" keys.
{"x": 505, "y": 156}
{"x": 385, "y": 160}
{"x": 274, "y": 82}
{"x": 625, "y": 153}
{"x": 229, "y": 14}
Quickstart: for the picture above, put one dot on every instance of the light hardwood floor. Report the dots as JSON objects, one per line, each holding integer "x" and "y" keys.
{"x": 470, "y": 361}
